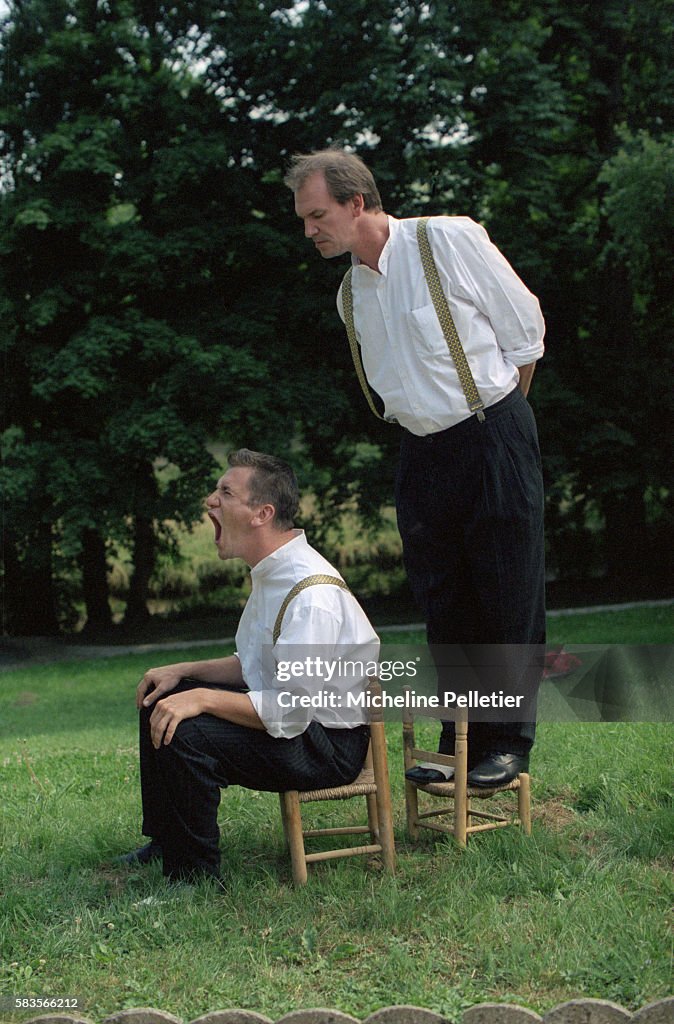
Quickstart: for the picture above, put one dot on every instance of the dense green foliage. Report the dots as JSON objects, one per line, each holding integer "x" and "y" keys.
{"x": 157, "y": 291}
{"x": 130, "y": 320}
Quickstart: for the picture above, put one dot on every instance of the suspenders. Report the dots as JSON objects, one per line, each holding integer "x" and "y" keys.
{"x": 308, "y": 581}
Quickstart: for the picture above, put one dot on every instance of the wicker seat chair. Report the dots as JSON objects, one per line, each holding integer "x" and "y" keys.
{"x": 372, "y": 784}
{"x": 465, "y": 819}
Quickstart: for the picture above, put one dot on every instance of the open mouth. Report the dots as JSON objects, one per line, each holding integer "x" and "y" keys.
{"x": 216, "y": 525}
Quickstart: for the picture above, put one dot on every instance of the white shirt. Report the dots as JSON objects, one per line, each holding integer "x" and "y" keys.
{"x": 404, "y": 352}
{"x": 325, "y": 637}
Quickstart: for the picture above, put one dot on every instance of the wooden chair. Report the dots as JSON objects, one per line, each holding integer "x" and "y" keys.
{"x": 372, "y": 784}
{"x": 458, "y": 791}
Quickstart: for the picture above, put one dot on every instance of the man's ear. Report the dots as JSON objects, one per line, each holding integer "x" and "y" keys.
{"x": 358, "y": 204}
{"x": 264, "y": 515}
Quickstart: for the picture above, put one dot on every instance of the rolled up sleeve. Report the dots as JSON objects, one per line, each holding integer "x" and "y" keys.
{"x": 484, "y": 277}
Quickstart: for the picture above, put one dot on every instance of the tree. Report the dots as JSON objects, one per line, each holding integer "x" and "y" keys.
{"x": 608, "y": 59}
{"x": 128, "y": 322}
{"x": 159, "y": 291}
{"x": 635, "y": 488}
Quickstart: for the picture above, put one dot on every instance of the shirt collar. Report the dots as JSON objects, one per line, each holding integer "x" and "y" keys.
{"x": 267, "y": 565}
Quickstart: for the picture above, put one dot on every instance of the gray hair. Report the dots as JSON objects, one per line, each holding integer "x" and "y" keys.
{"x": 346, "y": 175}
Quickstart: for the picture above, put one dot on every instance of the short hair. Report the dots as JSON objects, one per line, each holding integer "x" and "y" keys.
{"x": 346, "y": 175}
{"x": 272, "y": 481}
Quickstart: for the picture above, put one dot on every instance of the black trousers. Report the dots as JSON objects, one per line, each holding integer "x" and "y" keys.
{"x": 181, "y": 782}
{"x": 470, "y": 513}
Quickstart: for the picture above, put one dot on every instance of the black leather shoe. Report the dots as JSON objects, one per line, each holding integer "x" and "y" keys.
{"x": 144, "y": 855}
{"x": 422, "y": 776}
{"x": 496, "y": 769}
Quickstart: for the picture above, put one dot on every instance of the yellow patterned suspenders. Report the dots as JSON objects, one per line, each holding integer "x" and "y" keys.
{"x": 308, "y": 581}
{"x": 347, "y": 303}
{"x": 475, "y": 403}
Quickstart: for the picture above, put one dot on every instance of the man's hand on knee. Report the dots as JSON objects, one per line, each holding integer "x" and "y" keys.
{"x": 171, "y": 711}
{"x": 156, "y": 682}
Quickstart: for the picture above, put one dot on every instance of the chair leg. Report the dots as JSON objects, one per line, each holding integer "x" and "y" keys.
{"x": 461, "y": 802}
{"x": 382, "y": 798}
{"x": 372, "y": 817}
{"x": 371, "y": 800}
{"x": 386, "y": 837}
{"x": 292, "y": 819}
{"x": 460, "y": 814}
{"x": 524, "y": 802}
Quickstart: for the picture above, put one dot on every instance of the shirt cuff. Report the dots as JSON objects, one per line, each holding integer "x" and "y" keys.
{"x": 524, "y": 356}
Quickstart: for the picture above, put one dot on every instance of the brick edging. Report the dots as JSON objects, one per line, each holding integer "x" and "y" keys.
{"x": 576, "y": 1011}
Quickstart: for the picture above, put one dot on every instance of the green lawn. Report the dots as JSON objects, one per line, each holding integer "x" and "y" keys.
{"x": 580, "y": 908}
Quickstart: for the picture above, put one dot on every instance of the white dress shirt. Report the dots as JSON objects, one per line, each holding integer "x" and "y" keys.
{"x": 404, "y": 352}
{"x": 324, "y": 631}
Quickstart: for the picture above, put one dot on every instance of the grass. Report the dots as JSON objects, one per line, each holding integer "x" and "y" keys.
{"x": 580, "y": 908}
{"x": 644, "y": 624}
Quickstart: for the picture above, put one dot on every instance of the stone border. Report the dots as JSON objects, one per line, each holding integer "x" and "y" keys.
{"x": 576, "y": 1011}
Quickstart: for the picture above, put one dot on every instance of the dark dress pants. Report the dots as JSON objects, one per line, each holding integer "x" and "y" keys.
{"x": 470, "y": 513}
{"x": 181, "y": 782}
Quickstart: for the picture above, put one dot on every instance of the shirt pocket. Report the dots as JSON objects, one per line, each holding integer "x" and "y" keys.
{"x": 425, "y": 332}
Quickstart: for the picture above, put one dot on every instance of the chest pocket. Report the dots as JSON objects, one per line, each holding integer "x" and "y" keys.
{"x": 425, "y": 332}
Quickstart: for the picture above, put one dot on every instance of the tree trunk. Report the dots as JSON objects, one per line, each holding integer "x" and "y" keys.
{"x": 29, "y": 603}
{"x": 95, "y": 583}
{"x": 144, "y": 547}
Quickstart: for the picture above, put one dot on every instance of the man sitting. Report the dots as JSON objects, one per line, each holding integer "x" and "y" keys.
{"x": 239, "y": 720}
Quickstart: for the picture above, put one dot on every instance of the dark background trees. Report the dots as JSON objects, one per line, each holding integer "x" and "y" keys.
{"x": 125, "y": 281}
{"x": 157, "y": 292}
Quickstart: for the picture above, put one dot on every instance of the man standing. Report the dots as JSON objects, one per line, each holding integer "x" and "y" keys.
{"x": 469, "y": 490}
{"x": 198, "y": 734}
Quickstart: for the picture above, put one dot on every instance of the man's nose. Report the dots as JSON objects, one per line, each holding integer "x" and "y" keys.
{"x": 310, "y": 229}
{"x": 211, "y": 500}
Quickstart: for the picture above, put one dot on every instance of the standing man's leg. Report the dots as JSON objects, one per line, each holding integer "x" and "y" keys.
{"x": 506, "y": 540}
{"x": 470, "y": 508}
{"x": 431, "y": 482}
